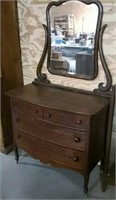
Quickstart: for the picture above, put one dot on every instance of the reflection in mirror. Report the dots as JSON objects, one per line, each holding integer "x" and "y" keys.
{"x": 73, "y": 28}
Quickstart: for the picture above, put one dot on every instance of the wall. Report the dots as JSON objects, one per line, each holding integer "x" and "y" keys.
{"x": 31, "y": 17}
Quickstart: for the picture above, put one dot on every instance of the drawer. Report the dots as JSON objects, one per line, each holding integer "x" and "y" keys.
{"x": 54, "y": 133}
{"x": 50, "y": 151}
{"x": 66, "y": 118}
{"x": 28, "y": 108}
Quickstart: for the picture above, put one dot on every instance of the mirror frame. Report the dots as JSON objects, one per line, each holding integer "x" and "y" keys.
{"x": 96, "y": 45}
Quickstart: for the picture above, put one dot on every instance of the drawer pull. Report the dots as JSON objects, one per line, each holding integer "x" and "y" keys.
{"x": 75, "y": 159}
{"x": 18, "y": 136}
{"x": 17, "y": 119}
{"x": 76, "y": 139}
{"x": 78, "y": 121}
{"x": 48, "y": 115}
{"x": 35, "y": 111}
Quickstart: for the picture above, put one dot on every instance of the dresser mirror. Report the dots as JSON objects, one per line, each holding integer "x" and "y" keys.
{"x": 73, "y": 30}
{"x": 69, "y": 128}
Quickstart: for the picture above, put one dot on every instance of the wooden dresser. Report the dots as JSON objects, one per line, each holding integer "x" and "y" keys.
{"x": 61, "y": 127}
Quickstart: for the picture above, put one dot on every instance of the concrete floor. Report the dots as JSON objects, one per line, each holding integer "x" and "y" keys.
{"x": 30, "y": 179}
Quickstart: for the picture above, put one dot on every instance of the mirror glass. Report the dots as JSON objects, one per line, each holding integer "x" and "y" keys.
{"x": 72, "y": 39}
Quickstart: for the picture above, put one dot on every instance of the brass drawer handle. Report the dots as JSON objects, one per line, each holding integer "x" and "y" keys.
{"x": 17, "y": 119}
{"x": 78, "y": 121}
{"x": 48, "y": 115}
{"x": 75, "y": 159}
{"x": 77, "y": 139}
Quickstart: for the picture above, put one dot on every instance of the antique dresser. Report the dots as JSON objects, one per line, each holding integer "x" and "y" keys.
{"x": 65, "y": 127}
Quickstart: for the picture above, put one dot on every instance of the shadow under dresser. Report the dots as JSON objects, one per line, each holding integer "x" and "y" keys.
{"x": 61, "y": 127}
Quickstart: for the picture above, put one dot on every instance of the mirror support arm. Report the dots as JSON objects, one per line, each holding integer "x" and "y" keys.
{"x": 108, "y": 85}
{"x": 42, "y": 77}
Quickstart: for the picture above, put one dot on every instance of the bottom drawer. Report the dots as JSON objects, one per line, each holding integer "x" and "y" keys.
{"x": 53, "y": 152}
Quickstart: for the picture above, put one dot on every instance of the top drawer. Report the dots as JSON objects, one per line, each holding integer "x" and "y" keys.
{"x": 27, "y": 108}
{"x": 66, "y": 118}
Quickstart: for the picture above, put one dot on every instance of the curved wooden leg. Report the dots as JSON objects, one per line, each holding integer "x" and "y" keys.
{"x": 86, "y": 180}
{"x": 16, "y": 153}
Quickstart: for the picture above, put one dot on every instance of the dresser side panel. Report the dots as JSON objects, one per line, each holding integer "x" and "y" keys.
{"x": 97, "y": 138}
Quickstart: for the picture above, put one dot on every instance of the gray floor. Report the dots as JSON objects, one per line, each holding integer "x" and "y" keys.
{"x": 30, "y": 179}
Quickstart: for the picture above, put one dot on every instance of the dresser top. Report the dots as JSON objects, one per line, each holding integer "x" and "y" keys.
{"x": 57, "y": 98}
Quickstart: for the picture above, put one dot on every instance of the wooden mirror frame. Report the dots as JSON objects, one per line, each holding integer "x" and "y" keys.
{"x": 96, "y": 43}
{"x": 47, "y": 46}
{"x": 42, "y": 77}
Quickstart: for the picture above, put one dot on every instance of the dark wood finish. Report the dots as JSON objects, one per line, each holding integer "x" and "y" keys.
{"x": 63, "y": 155}
{"x": 29, "y": 108}
{"x": 65, "y": 118}
{"x": 47, "y": 48}
{"x": 52, "y": 97}
{"x": 16, "y": 153}
{"x": 108, "y": 84}
{"x": 43, "y": 130}
{"x": 105, "y": 160}
{"x": 70, "y": 135}
{"x": 43, "y": 77}
{"x": 10, "y": 63}
{"x": 61, "y": 126}
{"x": 96, "y": 47}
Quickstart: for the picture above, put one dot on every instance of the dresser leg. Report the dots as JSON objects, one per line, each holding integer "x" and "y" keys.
{"x": 104, "y": 183}
{"x": 86, "y": 180}
{"x": 104, "y": 180}
{"x": 103, "y": 175}
{"x": 102, "y": 166}
{"x": 16, "y": 153}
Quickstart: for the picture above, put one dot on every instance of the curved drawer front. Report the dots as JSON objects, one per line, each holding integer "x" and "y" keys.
{"x": 51, "y": 132}
{"x": 28, "y": 108}
{"x": 66, "y": 118}
{"x": 50, "y": 151}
